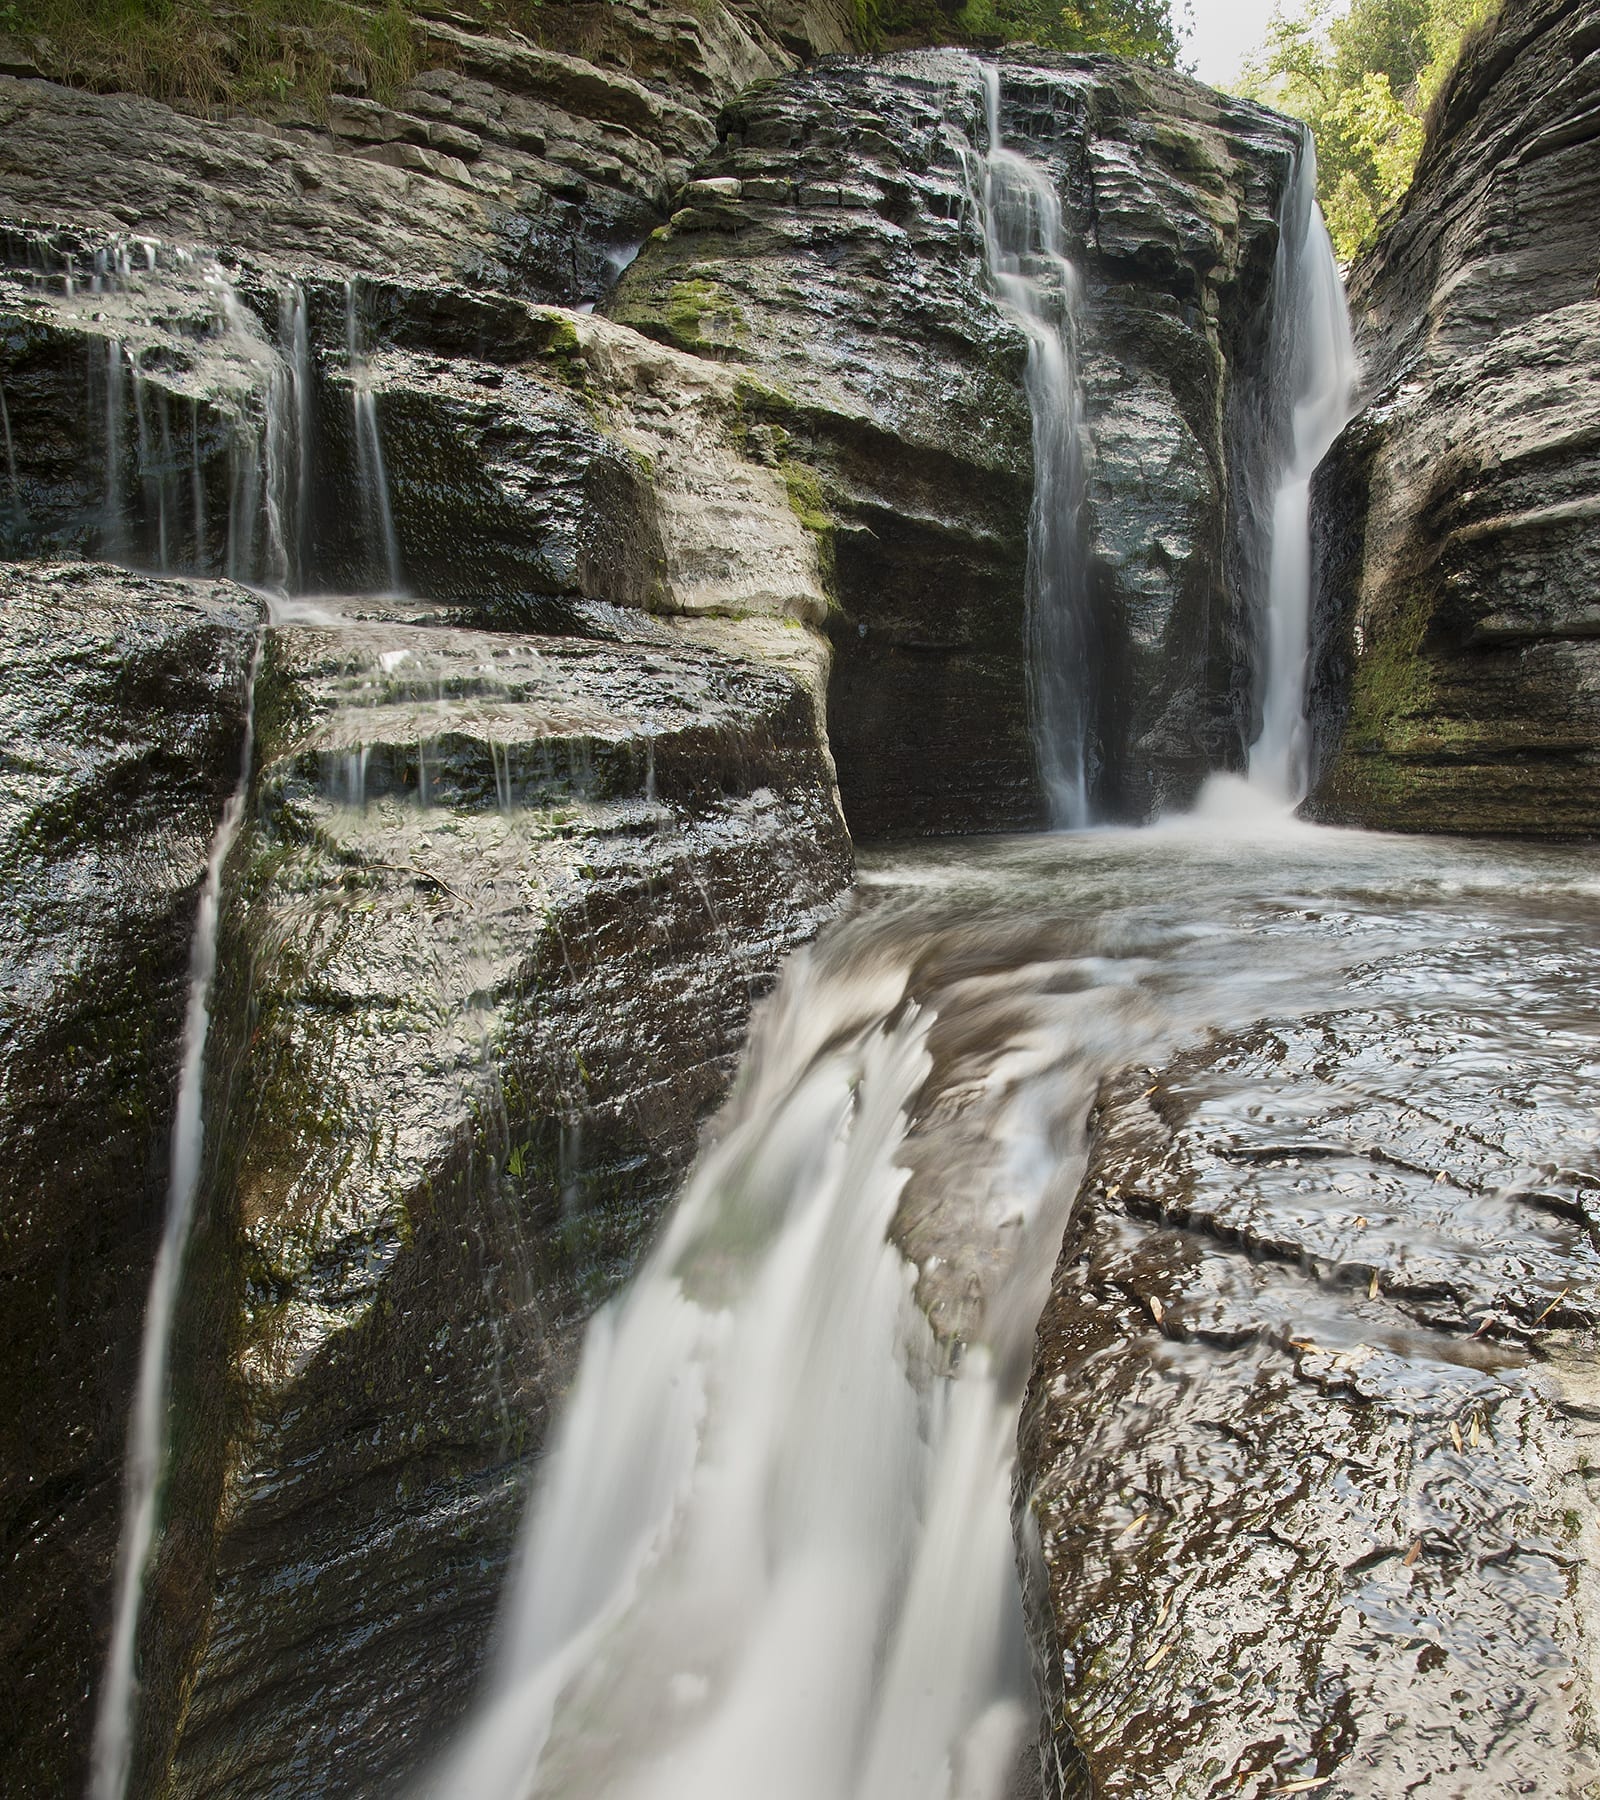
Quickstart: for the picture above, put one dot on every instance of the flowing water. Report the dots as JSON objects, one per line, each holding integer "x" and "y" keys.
{"x": 772, "y": 1549}
{"x": 1313, "y": 372}
{"x": 146, "y": 1460}
{"x": 1025, "y": 249}
{"x": 372, "y": 473}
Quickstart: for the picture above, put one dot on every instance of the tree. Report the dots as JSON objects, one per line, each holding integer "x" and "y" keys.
{"x": 1139, "y": 28}
{"x": 1363, "y": 79}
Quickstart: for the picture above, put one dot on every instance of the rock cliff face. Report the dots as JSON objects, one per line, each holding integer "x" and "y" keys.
{"x": 534, "y": 817}
{"x": 124, "y": 705}
{"x": 492, "y": 931}
{"x": 1457, "y": 674}
{"x": 831, "y": 249}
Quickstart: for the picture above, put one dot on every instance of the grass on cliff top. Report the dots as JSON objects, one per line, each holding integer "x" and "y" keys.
{"x": 209, "y": 54}
{"x": 1144, "y": 29}
{"x": 206, "y": 55}
{"x": 200, "y": 55}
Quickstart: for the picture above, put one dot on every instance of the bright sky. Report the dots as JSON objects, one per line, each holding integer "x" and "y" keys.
{"x": 1225, "y": 32}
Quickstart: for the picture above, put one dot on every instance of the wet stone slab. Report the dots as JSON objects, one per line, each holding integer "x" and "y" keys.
{"x": 1306, "y": 1450}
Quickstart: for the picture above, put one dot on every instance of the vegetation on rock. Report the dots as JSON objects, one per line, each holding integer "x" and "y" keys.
{"x": 1364, "y": 78}
{"x": 1139, "y": 28}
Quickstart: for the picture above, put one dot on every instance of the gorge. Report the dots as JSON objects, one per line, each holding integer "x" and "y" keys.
{"x": 643, "y": 517}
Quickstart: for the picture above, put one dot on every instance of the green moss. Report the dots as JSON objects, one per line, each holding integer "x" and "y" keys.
{"x": 1392, "y": 685}
{"x": 694, "y": 314}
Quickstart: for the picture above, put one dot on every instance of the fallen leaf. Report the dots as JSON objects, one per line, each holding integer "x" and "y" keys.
{"x": 1412, "y": 1554}
{"x": 1302, "y": 1787}
{"x": 1166, "y": 1607}
{"x": 1372, "y": 1286}
{"x": 1133, "y": 1524}
{"x": 1157, "y": 1311}
{"x": 1151, "y": 1661}
{"x": 1472, "y": 1435}
{"x": 1455, "y": 1434}
{"x": 1147, "y": 1093}
{"x": 1361, "y": 1221}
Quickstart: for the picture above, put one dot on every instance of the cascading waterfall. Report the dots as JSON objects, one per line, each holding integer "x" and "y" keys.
{"x": 264, "y": 392}
{"x": 369, "y": 445}
{"x": 771, "y": 1551}
{"x": 148, "y": 1434}
{"x": 1312, "y": 365}
{"x": 114, "y": 527}
{"x": 1024, "y": 244}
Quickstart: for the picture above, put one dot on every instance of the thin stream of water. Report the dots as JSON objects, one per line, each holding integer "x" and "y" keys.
{"x": 1313, "y": 363}
{"x": 148, "y": 1433}
{"x": 1024, "y": 246}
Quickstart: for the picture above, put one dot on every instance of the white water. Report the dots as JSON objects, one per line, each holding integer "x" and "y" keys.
{"x": 1312, "y": 357}
{"x": 1024, "y": 240}
{"x": 261, "y": 390}
{"x": 374, "y": 477}
{"x": 771, "y": 1551}
{"x": 11, "y": 457}
{"x": 147, "y": 1433}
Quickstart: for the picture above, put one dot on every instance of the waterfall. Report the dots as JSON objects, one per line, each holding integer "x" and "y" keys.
{"x": 1024, "y": 240}
{"x": 113, "y": 523}
{"x": 286, "y": 440}
{"x": 261, "y": 391}
{"x": 369, "y": 446}
{"x": 145, "y": 1470}
{"x": 11, "y": 459}
{"x": 771, "y": 1548}
{"x": 1312, "y": 367}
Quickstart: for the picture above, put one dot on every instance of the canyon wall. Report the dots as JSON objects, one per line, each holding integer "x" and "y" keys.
{"x": 1456, "y": 681}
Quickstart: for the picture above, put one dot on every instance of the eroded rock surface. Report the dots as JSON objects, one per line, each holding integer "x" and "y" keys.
{"x": 1458, "y": 673}
{"x": 489, "y": 956}
{"x": 124, "y": 702}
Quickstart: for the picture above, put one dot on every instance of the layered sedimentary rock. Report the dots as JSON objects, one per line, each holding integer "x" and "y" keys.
{"x": 1457, "y": 675}
{"x": 1307, "y": 1455}
{"x": 523, "y": 165}
{"x": 476, "y": 992}
{"x": 125, "y": 710}
{"x": 832, "y": 250}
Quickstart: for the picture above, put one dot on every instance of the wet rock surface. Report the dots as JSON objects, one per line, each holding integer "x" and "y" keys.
{"x": 491, "y": 944}
{"x": 124, "y": 705}
{"x": 831, "y": 250}
{"x": 1457, "y": 669}
{"x": 1306, "y": 1451}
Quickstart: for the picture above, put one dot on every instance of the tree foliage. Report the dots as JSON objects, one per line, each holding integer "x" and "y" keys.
{"x": 1140, "y": 28}
{"x": 1363, "y": 78}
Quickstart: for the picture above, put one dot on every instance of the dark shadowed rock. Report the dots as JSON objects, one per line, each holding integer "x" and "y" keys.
{"x": 124, "y": 708}
{"x": 1458, "y": 675}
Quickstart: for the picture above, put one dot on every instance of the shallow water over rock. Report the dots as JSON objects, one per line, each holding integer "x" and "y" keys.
{"x": 1301, "y": 1464}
